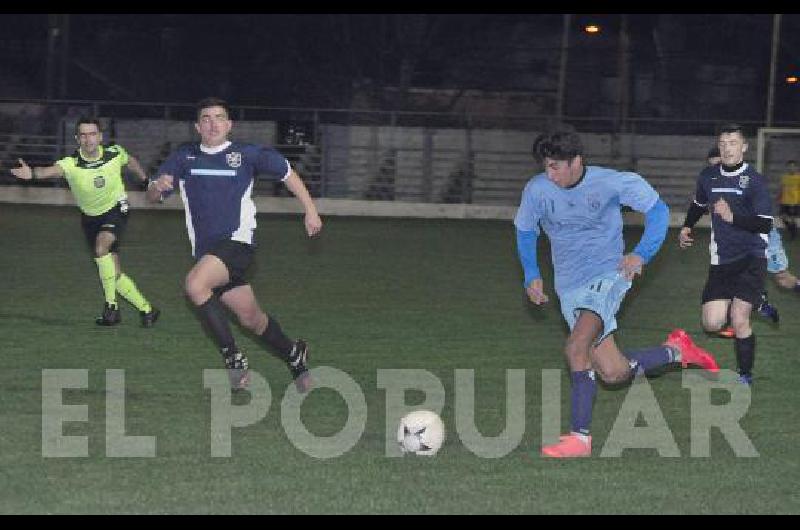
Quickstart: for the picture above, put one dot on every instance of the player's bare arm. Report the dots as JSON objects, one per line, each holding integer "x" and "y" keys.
{"x": 313, "y": 222}
{"x": 136, "y": 167}
{"x": 535, "y": 292}
{"x": 631, "y": 265}
{"x": 723, "y": 209}
{"x": 685, "y": 239}
{"x": 26, "y": 172}
{"x": 162, "y": 184}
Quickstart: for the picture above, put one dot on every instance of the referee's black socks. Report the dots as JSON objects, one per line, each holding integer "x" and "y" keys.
{"x": 745, "y": 354}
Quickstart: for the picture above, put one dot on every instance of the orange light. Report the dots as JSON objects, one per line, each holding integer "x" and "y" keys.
{"x": 591, "y": 28}
{"x": 792, "y": 79}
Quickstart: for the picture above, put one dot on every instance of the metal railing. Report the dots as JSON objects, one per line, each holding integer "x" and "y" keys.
{"x": 51, "y": 112}
{"x": 466, "y": 172}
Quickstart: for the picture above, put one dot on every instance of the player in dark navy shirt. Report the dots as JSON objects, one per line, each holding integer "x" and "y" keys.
{"x": 741, "y": 218}
{"x": 215, "y": 179}
{"x": 766, "y": 309}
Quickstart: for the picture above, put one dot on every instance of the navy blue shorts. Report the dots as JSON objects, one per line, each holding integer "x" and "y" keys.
{"x": 742, "y": 279}
{"x": 237, "y": 257}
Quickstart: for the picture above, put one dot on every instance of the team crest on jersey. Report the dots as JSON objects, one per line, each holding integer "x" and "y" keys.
{"x": 744, "y": 180}
{"x": 594, "y": 201}
{"x": 99, "y": 181}
{"x": 234, "y": 159}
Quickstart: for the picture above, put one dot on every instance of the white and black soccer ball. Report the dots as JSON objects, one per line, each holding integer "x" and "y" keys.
{"x": 421, "y": 432}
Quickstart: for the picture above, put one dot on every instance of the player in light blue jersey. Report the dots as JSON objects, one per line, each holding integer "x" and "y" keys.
{"x": 778, "y": 267}
{"x": 778, "y": 263}
{"x": 579, "y": 208}
{"x": 215, "y": 178}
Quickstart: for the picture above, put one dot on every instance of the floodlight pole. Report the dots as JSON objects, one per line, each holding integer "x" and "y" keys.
{"x": 562, "y": 70}
{"x": 53, "y": 34}
{"x": 624, "y": 73}
{"x": 65, "y": 57}
{"x": 776, "y": 37}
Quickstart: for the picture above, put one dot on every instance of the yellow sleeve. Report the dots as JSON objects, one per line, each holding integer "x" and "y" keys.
{"x": 66, "y": 164}
{"x": 122, "y": 153}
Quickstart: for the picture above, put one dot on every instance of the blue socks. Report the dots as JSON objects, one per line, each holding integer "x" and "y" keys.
{"x": 642, "y": 361}
{"x": 584, "y": 388}
{"x": 584, "y": 385}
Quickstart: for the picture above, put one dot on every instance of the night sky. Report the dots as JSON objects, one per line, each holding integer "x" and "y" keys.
{"x": 678, "y": 63}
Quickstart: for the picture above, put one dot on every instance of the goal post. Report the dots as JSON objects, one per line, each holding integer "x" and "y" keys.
{"x": 776, "y": 145}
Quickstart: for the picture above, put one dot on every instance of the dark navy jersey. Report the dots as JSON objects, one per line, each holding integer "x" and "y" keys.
{"x": 745, "y": 190}
{"x": 216, "y": 186}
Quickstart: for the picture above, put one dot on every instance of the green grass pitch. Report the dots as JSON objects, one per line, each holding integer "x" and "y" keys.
{"x": 369, "y": 294}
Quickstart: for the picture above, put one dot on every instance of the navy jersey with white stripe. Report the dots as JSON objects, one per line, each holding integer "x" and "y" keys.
{"x": 745, "y": 190}
{"x": 216, "y": 186}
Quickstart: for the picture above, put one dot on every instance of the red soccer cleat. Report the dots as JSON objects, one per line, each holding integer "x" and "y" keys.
{"x": 726, "y": 333}
{"x": 569, "y": 446}
{"x": 690, "y": 352}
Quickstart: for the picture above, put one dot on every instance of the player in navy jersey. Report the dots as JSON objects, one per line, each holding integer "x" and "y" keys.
{"x": 738, "y": 199}
{"x": 579, "y": 208}
{"x": 777, "y": 264}
{"x": 215, "y": 179}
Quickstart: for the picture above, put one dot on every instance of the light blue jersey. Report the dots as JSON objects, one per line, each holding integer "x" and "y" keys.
{"x": 584, "y": 222}
{"x": 777, "y": 261}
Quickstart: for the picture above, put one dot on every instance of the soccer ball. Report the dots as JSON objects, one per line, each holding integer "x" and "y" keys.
{"x": 420, "y": 432}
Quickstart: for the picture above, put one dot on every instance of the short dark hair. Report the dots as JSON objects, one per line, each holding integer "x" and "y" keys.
{"x": 562, "y": 143}
{"x": 713, "y": 152}
{"x": 87, "y": 120}
{"x": 730, "y": 128}
{"x": 212, "y": 102}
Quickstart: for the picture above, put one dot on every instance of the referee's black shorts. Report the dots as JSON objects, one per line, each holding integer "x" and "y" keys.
{"x": 237, "y": 257}
{"x": 114, "y": 220}
{"x": 742, "y": 279}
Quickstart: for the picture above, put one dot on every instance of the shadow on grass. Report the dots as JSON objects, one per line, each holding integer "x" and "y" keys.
{"x": 48, "y": 321}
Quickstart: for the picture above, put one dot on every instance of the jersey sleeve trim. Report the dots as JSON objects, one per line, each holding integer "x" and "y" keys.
{"x": 288, "y": 171}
